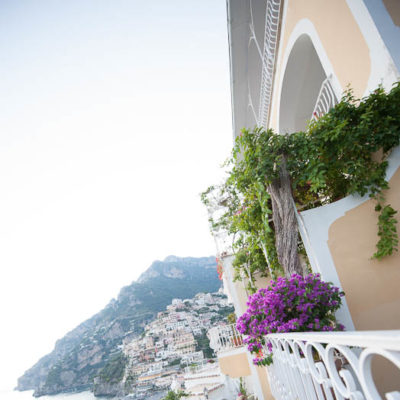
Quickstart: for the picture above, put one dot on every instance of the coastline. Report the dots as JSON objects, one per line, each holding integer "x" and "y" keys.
{"x": 28, "y": 395}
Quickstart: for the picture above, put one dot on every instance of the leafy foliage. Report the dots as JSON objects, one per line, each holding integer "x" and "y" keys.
{"x": 243, "y": 394}
{"x": 113, "y": 371}
{"x": 203, "y": 344}
{"x": 387, "y": 232}
{"x": 129, "y": 382}
{"x": 232, "y": 318}
{"x": 171, "y": 395}
{"x": 343, "y": 152}
{"x": 245, "y": 218}
{"x": 53, "y": 377}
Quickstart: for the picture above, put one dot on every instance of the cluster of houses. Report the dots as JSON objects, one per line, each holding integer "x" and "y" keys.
{"x": 176, "y": 340}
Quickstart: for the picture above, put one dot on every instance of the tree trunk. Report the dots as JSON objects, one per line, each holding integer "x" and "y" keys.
{"x": 285, "y": 223}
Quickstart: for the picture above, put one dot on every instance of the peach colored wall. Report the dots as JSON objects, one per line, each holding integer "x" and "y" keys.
{"x": 372, "y": 287}
{"x": 261, "y": 282}
{"x": 241, "y": 292}
{"x": 386, "y": 375}
{"x": 263, "y": 379}
{"x": 234, "y": 366}
{"x": 341, "y": 38}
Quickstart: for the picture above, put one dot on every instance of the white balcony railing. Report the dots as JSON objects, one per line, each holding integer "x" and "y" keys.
{"x": 326, "y": 99}
{"x": 224, "y": 337}
{"x": 328, "y": 366}
{"x": 268, "y": 58}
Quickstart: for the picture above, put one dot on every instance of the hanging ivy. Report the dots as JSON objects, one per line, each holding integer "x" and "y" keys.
{"x": 344, "y": 152}
{"x": 243, "y": 218}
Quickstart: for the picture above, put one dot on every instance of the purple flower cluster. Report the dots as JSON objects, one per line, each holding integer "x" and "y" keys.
{"x": 298, "y": 304}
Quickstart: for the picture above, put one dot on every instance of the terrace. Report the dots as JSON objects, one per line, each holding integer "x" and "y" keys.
{"x": 326, "y": 365}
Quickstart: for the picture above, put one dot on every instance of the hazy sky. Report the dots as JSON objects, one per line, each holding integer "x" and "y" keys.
{"x": 114, "y": 116}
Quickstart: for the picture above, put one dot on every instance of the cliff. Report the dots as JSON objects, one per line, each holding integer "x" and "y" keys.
{"x": 81, "y": 354}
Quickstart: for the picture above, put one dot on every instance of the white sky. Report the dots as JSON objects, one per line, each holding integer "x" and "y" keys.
{"x": 114, "y": 116}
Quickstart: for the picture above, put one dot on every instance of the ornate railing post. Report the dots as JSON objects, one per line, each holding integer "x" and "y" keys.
{"x": 326, "y": 99}
{"x": 268, "y": 58}
{"x": 330, "y": 366}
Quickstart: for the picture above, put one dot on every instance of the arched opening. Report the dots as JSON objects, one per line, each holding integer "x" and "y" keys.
{"x": 302, "y": 82}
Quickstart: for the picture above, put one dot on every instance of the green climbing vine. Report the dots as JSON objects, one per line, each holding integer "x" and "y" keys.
{"x": 387, "y": 231}
{"x": 341, "y": 153}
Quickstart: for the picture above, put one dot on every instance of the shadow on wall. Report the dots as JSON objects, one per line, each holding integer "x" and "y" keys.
{"x": 302, "y": 81}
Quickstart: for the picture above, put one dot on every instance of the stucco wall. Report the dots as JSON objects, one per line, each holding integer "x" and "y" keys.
{"x": 262, "y": 281}
{"x": 371, "y": 286}
{"x": 341, "y": 45}
{"x": 263, "y": 379}
{"x": 242, "y": 297}
{"x": 235, "y": 289}
{"x": 235, "y": 366}
{"x": 351, "y": 50}
{"x": 241, "y": 293}
{"x": 386, "y": 16}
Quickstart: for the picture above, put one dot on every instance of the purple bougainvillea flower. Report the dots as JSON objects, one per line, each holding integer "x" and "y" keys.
{"x": 297, "y": 304}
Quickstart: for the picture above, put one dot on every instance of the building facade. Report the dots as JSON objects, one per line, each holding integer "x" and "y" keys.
{"x": 292, "y": 60}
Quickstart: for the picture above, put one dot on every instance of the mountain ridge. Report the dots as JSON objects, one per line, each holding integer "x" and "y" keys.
{"x": 82, "y": 352}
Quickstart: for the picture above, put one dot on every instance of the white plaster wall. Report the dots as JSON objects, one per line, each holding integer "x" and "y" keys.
{"x": 304, "y": 27}
{"x": 383, "y": 68}
{"x": 390, "y": 33}
{"x": 230, "y": 287}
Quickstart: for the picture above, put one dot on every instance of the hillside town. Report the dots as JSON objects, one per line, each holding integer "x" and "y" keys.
{"x": 116, "y": 117}
{"x": 174, "y": 344}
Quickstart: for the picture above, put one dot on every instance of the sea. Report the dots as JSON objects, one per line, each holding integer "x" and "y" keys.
{"x": 14, "y": 395}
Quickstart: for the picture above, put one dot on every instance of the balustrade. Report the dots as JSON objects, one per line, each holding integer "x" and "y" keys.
{"x": 331, "y": 366}
{"x": 224, "y": 337}
{"x": 268, "y": 58}
{"x": 326, "y": 99}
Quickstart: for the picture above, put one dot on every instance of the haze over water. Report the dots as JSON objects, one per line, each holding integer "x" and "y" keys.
{"x": 14, "y": 395}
